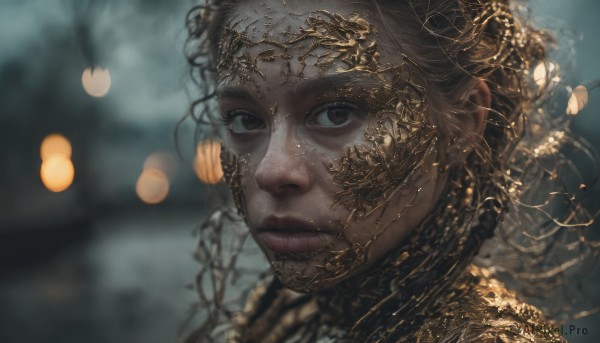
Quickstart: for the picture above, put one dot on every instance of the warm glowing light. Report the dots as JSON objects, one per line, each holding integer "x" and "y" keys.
{"x": 57, "y": 172}
{"x": 208, "y": 162}
{"x": 162, "y": 160}
{"x": 578, "y": 100}
{"x": 539, "y": 74}
{"x": 55, "y": 144}
{"x": 152, "y": 186}
{"x": 96, "y": 81}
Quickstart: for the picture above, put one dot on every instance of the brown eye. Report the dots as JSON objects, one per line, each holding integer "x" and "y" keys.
{"x": 241, "y": 121}
{"x": 334, "y": 115}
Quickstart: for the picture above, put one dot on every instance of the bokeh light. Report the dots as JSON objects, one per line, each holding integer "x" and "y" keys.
{"x": 55, "y": 144}
{"x": 578, "y": 100}
{"x": 57, "y": 172}
{"x": 96, "y": 81}
{"x": 540, "y": 74}
{"x": 152, "y": 186}
{"x": 163, "y": 161}
{"x": 207, "y": 163}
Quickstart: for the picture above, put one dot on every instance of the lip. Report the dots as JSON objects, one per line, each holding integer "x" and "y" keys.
{"x": 291, "y": 235}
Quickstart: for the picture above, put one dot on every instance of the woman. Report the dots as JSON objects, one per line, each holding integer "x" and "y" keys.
{"x": 371, "y": 147}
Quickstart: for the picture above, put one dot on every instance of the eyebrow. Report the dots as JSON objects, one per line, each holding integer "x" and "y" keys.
{"x": 234, "y": 92}
{"x": 304, "y": 86}
{"x": 329, "y": 82}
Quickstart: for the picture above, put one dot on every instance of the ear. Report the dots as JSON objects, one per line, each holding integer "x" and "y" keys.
{"x": 475, "y": 102}
{"x": 477, "y": 105}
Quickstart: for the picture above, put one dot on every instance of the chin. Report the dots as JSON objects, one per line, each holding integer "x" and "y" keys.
{"x": 310, "y": 273}
{"x": 297, "y": 272}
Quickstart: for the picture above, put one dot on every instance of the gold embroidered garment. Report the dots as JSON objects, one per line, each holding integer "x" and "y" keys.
{"x": 476, "y": 308}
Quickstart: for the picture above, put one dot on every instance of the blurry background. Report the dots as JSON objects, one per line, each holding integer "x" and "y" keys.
{"x": 97, "y": 211}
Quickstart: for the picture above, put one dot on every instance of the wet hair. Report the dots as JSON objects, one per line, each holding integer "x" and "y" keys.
{"x": 527, "y": 190}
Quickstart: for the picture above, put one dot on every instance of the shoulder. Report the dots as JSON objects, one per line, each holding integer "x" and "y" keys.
{"x": 479, "y": 308}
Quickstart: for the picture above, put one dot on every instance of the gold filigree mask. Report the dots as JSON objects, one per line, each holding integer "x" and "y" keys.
{"x": 399, "y": 143}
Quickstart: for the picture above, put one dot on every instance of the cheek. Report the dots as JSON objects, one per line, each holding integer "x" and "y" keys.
{"x": 376, "y": 236}
{"x": 370, "y": 175}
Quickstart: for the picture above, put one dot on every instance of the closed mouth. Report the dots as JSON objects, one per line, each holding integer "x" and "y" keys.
{"x": 289, "y": 235}
{"x": 294, "y": 241}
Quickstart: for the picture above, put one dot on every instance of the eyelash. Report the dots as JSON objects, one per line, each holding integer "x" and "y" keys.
{"x": 338, "y": 103}
{"x": 226, "y": 118}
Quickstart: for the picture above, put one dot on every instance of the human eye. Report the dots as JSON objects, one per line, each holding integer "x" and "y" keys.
{"x": 336, "y": 114}
{"x": 241, "y": 121}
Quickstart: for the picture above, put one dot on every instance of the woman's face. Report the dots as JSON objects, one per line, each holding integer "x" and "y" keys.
{"x": 328, "y": 147}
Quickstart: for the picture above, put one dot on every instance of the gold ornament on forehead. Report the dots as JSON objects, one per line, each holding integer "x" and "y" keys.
{"x": 348, "y": 40}
{"x": 326, "y": 38}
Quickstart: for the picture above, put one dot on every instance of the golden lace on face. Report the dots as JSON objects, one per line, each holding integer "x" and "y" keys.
{"x": 400, "y": 137}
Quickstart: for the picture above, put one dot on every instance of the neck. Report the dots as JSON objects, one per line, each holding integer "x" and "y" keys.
{"x": 393, "y": 298}
{"x": 351, "y": 302}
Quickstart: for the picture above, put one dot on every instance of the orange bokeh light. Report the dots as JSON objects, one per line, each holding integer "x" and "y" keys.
{"x": 57, "y": 172}
{"x": 55, "y": 144}
{"x": 207, "y": 163}
{"x": 96, "y": 82}
{"x": 162, "y": 160}
{"x": 152, "y": 186}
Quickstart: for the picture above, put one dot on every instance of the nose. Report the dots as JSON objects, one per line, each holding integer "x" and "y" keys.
{"x": 282, "y": 170}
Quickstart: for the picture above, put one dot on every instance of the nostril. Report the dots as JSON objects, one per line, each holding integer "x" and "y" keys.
{"x": 288, "y": 186}
{"x": 278, "y": 188}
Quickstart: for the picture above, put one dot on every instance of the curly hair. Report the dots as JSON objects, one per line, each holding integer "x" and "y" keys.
{"x": 526, "y": 189}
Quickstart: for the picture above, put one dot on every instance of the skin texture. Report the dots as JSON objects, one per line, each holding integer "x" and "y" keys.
{"x": 297, "y": 130}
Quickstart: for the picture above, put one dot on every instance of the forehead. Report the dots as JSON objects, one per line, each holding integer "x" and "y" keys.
{"x": 312, "y": 37}
{"x": 276, "y": 47}
{"x": 272, "y": 17}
